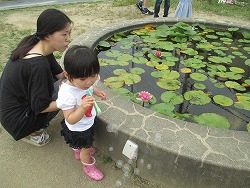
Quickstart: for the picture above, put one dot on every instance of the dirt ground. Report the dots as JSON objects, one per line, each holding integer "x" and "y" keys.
{"x": 87, "y": 16}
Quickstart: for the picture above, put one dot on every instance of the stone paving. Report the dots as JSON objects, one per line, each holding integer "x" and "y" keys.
{"x": 187, "y": 154}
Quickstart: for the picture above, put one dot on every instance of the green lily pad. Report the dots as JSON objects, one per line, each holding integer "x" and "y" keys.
{"x": 197, "y": 97}
{"x": 129, "y": 78}
{"x": 166, "y": 54}
{"x": 169, "y": 84}
{"x": 247, "y": 49}
{"x": 205, "y": 46}
{"x": 243, "y": 57}
{"x": 119, "y": 71}
{"x": 246, "y": 34}
{"x": 104, "y": 44}
{"x": 247, "y": 62}
{"x": 168, "y": 63}
{"x": 193, "y": 63}
{"x": 157, "y": 74}
{"x": 219, "y": 85}
{"x": 235, "y": 85}
{"x": 226, "y": 40}
{"x": 233, "y": 29}
{"x": 126, "y": 47}
{"x": 248, "y": 127}
{"x": 125, "y": 57}
{"x": 138, "y": 54}
{"x": 113, "y": 53}
{"x": 123, "y": 92}
{"x": 233, "y": 76}
{"x": 168, "y": 46}
{"x": 223, "y": 100}
{"x": 237, "y": 53}
{"x": 103, "y": 62}
{"x": 122, "y": 63}
{"x": 137, "y": 70}
{"x": 172, "y": 97}
{"x": 213, "y": 120}
{"x": 244, "y": 41}
{"x": 220, "y": 52}
{"x": 221, "y": 68}
{"x": 139, "y": 60}
{"x": 243, "y": 100}
{"x": 154, "y": 58}
{"x": 222, "y": 75}
{"x": 190, "y": 51}
{"x": 199, "y": 86}
{"x": 113, "y": 82}
{"x": 247, "y": 81}
{"x": 171, "y": 58}
{"x": 211, "y": 36}
{"x": 231, "y": 56}
{"x": 152, "y": 63}
{"x": 170, "y": 75}
{"x": 216, "y": 43}
{"x": 198, "y": 76}
{"x": 161, "y": 67}
{"x": 126, "y": 41}
{"x": 112, "y": 62}
{"x": 216, "y": 59}
{"x": 225, "y": 34}
{"x": 163, "y": 108}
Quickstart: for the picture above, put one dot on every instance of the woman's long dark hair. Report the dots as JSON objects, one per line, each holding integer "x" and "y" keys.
{"x": 81, "y": 62}
{"x": 49, "y": 21}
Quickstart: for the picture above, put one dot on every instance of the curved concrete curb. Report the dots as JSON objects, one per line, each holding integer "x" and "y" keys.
{"x": 187, "y": 155}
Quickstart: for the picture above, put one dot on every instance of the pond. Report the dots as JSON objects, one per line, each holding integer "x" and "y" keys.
{"x": 193, "y": 72}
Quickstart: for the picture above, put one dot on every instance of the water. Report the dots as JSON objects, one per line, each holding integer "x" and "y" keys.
{"x": 238, "y": 118}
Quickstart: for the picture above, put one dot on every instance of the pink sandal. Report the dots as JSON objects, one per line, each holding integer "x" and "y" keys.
{"x": 77, "y": 153}
{"x": 92, "y": 171}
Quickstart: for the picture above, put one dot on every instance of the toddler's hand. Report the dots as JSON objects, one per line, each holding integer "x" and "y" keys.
{"x": 101, "y": 94}
{"x": 87, "y": 101}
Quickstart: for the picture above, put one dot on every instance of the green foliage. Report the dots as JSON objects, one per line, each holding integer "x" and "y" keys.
{"x": 235, "y": 10}
{"x": 213, "y": 120}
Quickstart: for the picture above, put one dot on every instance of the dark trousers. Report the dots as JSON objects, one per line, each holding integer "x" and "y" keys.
{"x": 158, "y": 6}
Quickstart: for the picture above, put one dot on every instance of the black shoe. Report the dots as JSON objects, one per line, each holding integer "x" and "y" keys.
{"x": 139, "y": 7}
{"x": 148, "y": 12}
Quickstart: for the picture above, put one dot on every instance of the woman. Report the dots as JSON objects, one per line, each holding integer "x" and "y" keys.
{"x": 184, "y": 9}
{"x": 27, "y": 93}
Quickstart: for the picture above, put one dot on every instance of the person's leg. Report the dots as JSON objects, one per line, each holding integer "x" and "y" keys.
{"x": 157, "y": 8}
{"x": 139, "y": 5}
{"x": 166, "y": 8}
{"x": 89, "y": 166}
{"x": 41, "y": 137}
{"x": 145, "y": 9}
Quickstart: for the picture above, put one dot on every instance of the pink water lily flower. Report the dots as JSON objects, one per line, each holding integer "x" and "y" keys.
{"x": 145, "y": 96}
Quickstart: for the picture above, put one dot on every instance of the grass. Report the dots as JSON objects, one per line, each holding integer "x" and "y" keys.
{"x": 10, "y": 34}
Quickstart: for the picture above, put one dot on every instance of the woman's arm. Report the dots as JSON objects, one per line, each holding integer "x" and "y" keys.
{"x": 51, "y": 108}
{"x": 60, "y": 76}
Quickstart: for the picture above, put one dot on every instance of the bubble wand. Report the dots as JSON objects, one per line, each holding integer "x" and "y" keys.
{"x": 98, "y": 109}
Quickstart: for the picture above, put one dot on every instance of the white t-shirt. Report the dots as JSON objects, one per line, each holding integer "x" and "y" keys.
{"x": 69, "y": 97}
